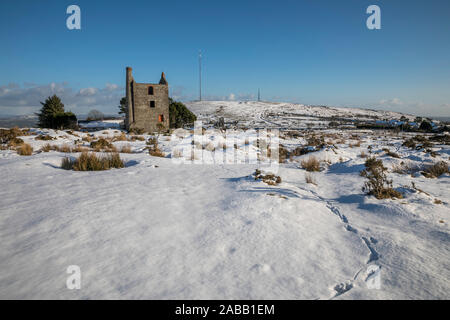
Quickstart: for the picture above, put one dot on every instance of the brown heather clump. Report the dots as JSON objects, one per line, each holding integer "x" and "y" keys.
{"x": 10, "y": 137}
{"x": 377, "y": 183}
{"x": 156, "y": 152}
{"x": 356, "y": 144}
{"x": 125, "y": 149}
{"x": 138, "y": 138}
{"x": 47, "y": 148}
{"x": 14, "y": 142}
{"x": 436, "y": 170}
{"x": 87, "y": 139}
{"x": 91, "y": 162}
{"x": 101, "y": 144}
{"x": 391, "y": 153}
{"x": 79, "y": 149}
{"x": 25, "y": 150}
{"x": 311, "y": 164}
{"x": 310, "y": 179}
{"x": 65, "y": 148}
{"x": 269, "y": 178}
{"x": 283, "y": 154}
{"x": 44, "y": 137}
{"x": 153, "y": 141}
{"x": 121, "y": 137}
{"x": 153, "y": 148}
{"x": 315, "y": 141}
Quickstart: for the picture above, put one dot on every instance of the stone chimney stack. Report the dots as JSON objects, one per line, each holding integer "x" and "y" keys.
{"x": 129, "y": 80}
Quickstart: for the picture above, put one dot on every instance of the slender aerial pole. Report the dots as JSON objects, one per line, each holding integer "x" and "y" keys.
{"x": 259, "y": 95}
{"x": 200, "y": 74}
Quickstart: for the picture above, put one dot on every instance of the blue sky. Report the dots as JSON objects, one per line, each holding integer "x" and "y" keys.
{"x": 307, "y": 51}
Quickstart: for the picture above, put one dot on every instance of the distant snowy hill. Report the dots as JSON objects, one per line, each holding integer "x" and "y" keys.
{"x": 279, "y": 114}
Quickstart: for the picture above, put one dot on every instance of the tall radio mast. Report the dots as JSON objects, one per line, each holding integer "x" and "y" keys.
{"x": 200, "y": 74}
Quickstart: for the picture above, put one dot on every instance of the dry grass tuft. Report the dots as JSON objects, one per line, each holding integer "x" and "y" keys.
{"x": 436, "y": 170}
{"x": 391, "y": 153}
{"x": 310, "y": 179}
{"x": 103, "y": 145}
{"x": 65, "y": 148}
{"x": 121, "y": 137}
{"x": 25, "y": 150}
{"x": 125, "y": 149}
{"x": 153, "y": 149}
{"x": 44, "y": 137}
{"x": 91, "y": 162}
{"x": 311, "y": 164}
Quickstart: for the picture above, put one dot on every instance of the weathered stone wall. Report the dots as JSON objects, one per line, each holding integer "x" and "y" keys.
{"x": 146, "y": 117}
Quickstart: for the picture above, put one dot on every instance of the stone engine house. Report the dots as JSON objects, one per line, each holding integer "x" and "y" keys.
{"x": 147, "y": 104}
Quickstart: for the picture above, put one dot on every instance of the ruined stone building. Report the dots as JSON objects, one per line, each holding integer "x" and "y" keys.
{"x": 147, "y": 104}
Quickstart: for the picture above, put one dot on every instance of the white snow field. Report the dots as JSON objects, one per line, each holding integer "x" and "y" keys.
{"x": 159, "y": 229}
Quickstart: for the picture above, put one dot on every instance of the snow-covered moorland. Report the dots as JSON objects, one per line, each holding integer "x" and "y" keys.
{"x": 162, "y": 228}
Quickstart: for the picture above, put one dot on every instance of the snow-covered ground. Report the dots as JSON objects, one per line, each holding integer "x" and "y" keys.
{"x": 162, "y": 229}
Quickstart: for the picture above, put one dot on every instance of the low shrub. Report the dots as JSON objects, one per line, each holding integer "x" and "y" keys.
{"x": 405, "y": 168}
{"x": 121, "y": 137}
{"x": 391, "y": 154}
{"x": 315, "y": 141}
{"x": 14, "y": 142}
{"x": 138, "y": 138}
{"x": 25, "y": 150}
{"x": 409, "y": 143}
{"x": 102, "y": 144}
{"x": 377, "y": 183}
{"x": 125, "y": 149}
{"x": 65, "y": 148}
{"x": 156, "y": 152}
{"x": 91, "y": 162}
{"x": 436, "y": 170}
{"x": 311, "y": 164}
{"x": 269, "y": 178}
{"x": 310, "y": 179}
{"x": 44, "y": 137}
{"x": 6, "y": 135}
